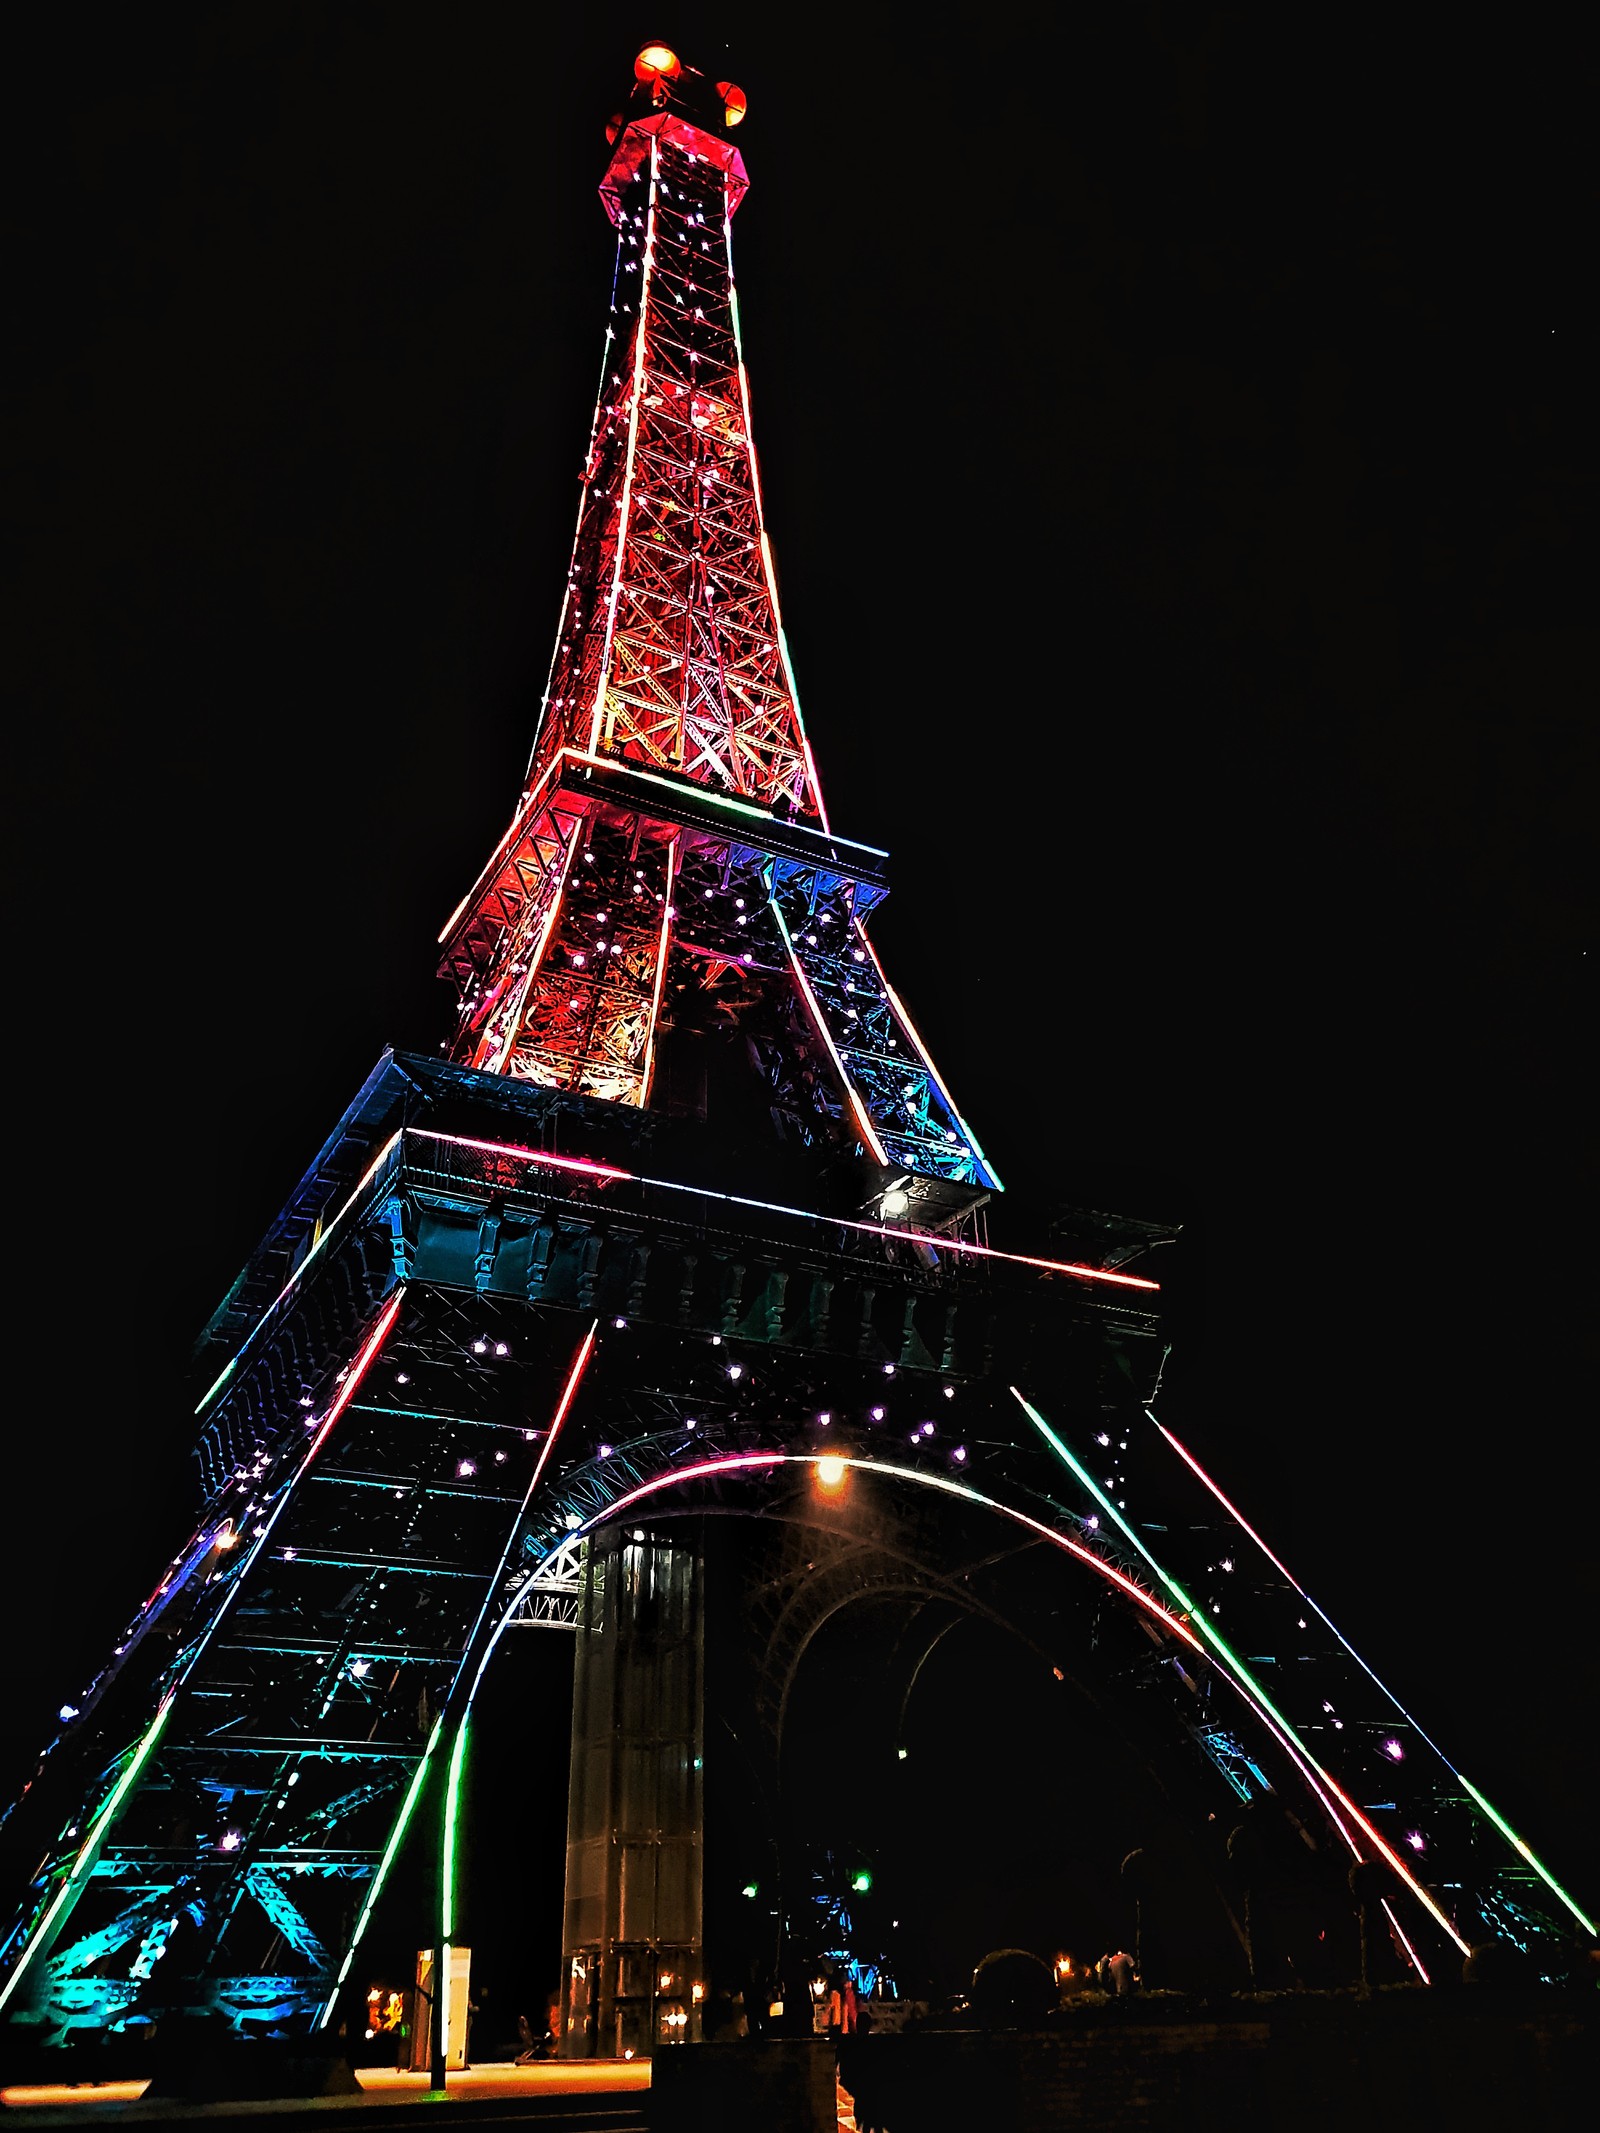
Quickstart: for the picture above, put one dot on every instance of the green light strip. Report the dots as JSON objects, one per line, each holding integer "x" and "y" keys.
{"x": 1236, "y": 1666}
{"x": 91, "y": 1845}
{"x": 452, "y": 1804}
{"x": 408, "y": 1808}
{"x": 1499, "y": 1821}
{"x": 1524, "y": 1853}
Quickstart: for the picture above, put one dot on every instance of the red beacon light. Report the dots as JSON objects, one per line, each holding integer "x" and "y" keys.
{"x": 657, "y": 62}
{"x": 734, "y": 102}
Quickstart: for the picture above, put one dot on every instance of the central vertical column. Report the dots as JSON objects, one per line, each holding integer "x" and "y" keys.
{"x": 631, "y": 1971}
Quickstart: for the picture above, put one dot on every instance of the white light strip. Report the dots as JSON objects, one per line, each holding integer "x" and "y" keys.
{"x": 645, "y": 266}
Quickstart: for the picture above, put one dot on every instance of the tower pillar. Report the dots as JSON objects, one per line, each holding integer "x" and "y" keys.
{"x": 632, "y": 1973}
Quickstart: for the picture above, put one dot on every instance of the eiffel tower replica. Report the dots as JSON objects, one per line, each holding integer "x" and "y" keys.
{"x": 686, "y": 1220}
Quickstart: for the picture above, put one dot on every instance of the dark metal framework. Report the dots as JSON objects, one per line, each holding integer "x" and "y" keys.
{"x": 535, "y": 1288}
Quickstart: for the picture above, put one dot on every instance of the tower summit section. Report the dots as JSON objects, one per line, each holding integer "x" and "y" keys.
{"x": 671, "y": 871}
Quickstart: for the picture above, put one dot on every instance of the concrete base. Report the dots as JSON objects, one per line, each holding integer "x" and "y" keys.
{"x": 779, "y": 2085}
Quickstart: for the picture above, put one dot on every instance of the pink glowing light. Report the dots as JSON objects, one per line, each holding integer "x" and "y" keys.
{"x": 524, "y": 1155}
{"x": 358, "y": 1370}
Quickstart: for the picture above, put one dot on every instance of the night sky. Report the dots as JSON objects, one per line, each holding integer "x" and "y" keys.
{"x": 1169, "y": 425}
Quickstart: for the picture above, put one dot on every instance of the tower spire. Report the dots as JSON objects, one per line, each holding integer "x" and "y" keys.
{"x": 671, "y": 870}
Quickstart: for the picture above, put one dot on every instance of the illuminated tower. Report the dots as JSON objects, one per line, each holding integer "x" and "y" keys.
{"x": 686, "y": 1222}
{"x": 670, "y": 868}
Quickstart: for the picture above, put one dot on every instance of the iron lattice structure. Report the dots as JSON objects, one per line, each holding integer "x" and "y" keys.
{"x": 567, "y": 1277}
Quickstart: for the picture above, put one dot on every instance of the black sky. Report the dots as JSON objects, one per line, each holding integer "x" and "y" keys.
{"x": 1170, "y": 422}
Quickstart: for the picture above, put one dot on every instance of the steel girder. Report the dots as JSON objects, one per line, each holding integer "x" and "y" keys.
{"x": 371, "y": 1456}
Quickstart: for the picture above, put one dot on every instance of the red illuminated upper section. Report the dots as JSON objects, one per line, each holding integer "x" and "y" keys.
{"x": 670, "y": 653}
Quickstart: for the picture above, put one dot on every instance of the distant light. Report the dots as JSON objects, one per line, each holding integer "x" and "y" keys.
{"x": 900, "y": 1755}
{"x": 888, "y": 1370}
{"x": 360, "y": 1668}
{"x": 572, "y": 1521}
{"x": 960, "y": 1454}
{"x": 830, "y": 1471}
{"x": 736, "y": 1370}
{"x": 67, "y": 1712}
{"x": 464, "y": 1467}
{"x": 1416, "y": 1840}
{"x": 1394, "y": 1751}
{"x": 501, "y": 1348}
{"x": 619, "y": 1323}
{"x": 894, "y": 1202}
{"x": 749, "y": 1889}
{"x": 480, "y": 1347}
{"x": 229, "y": 1841}
{"x": 604, "y": 1451}
{"x": 877, "y": 1414}
{"x": 861, "y": 1881}
{"x": 949, "y": 1392}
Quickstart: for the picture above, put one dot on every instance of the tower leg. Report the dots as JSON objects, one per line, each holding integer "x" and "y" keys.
{"x": 631, "y": 1959}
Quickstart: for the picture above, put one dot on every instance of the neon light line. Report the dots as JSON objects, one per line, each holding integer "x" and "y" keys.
{"x": 1488, "y": 1807}
{"x": 547, "y": 933}
{"x": 1237, "y": 1666}
{"x": 347, "y": 1391}
{"x": 90, "y": 1847}
{"x": 526, "y": 1155}
{"x": 655, "y": 777}
{"x": 583, "y": 498}
{"x": 346, "y": 1394}
{"x": 646, "y": 263}
{"x": 580, "y": 1364}
{"x": 661, "y": 972}
{"x": 402, "y": 1820}
{"x": 804, "y": 1214}
{"x": 863, "y": 1122}
{"x": 1523, "y": 1852}
{"x": 768, "y": 572}
{"x": 452, "y": 1814}
{"x": 718, "y": 799}
{"x": 1400, "y": 1935}
{"x": 525, "y": 808}
{"x": 926, "y": 1056}
{"x": 1130, "y": 1587}
{"x": 232, "y": 1365}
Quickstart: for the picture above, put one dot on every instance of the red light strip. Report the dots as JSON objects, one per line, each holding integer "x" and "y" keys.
{"x": 524, "y": 812}
{"x": 1400, "y": 1935}
{"x": 358, "y": 1370}
{"x": 547, "y": 934}
{"x": 661, "y": 972}
{"x": 569, "y": 1392}
{"x": 525, "y": 1155}
{"x": 580, "y": 1364}
{"x": 804, "y": 1214}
